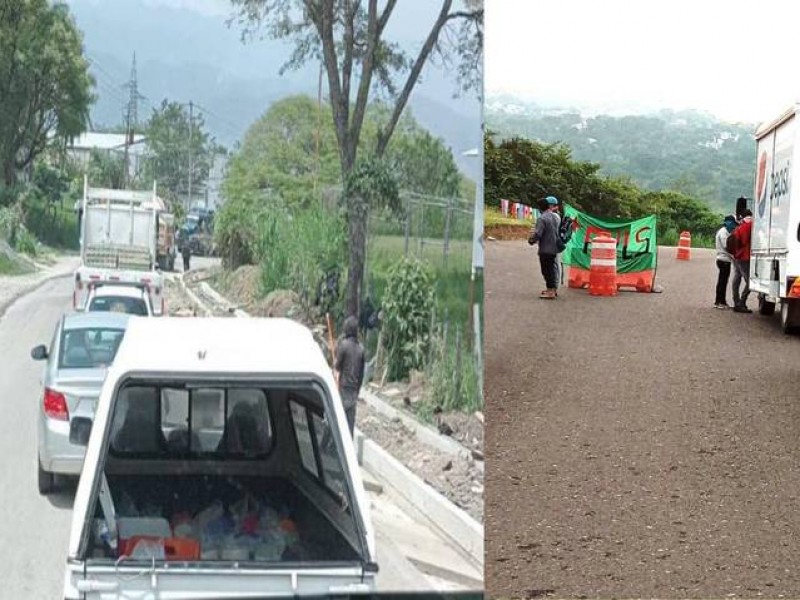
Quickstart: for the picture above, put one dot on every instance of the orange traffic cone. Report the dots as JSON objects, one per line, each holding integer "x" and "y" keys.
{"x": 603, "y": 266}
{"x": 685, "y": 246}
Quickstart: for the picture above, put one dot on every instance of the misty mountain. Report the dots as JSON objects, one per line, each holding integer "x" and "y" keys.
{"x": 186, "y": 51}
{"x": 687, "y": 151}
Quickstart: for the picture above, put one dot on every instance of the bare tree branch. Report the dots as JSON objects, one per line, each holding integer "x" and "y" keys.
{"x": 413, "y": 76}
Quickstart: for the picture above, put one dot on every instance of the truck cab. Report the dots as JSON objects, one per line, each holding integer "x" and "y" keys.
{"x": 219, "y": 465}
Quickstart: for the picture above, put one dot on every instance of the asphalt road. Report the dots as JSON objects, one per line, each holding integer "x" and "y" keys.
{"x": 34, "y": 530}
{"x": 644, "y": 445}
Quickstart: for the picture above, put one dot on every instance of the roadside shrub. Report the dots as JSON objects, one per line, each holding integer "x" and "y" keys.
{"x": 408, "y": 305}
{"x": 452, "y": 377}
{"x": 25, "y": 242}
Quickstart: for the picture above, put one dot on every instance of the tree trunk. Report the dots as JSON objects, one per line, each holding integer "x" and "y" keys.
{"x": 9, "y": 172}
{"x": 357, "y": 230}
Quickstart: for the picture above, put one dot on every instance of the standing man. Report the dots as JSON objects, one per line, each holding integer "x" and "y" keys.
{"x": 724, "y": 260}
{"x": 349, "y": 369}
{"x": 545, "y": 233}
{"x": 186, "y": 252}
{"x": 739, "y": 246}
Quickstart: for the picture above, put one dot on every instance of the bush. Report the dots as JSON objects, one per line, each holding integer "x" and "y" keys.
{"x": 408, "y": 305}
{"x": 26, "y": 242}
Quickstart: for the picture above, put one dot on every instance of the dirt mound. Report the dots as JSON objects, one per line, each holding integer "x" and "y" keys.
{"x": 280, "y": 304}
{"x": 507, "y": 232}
{"x": 242, "y": 286}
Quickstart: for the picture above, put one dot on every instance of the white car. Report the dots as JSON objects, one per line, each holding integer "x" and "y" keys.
{"x": 219, "y": 465}
{"x": 129, "y": 299}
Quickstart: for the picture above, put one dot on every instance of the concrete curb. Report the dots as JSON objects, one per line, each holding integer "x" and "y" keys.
{"x": 192, "y": 296}
{"x": 29, "y": 289}
{"x": 207, "y": 289}
{"x": 443, "y": 515}
{"x": 425, "y": 433}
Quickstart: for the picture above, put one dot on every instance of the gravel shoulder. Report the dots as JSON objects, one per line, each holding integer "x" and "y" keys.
{"x": 637, "y": 446}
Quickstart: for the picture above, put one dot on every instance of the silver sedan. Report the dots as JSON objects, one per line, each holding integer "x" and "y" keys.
{"x": 82, "y": 348}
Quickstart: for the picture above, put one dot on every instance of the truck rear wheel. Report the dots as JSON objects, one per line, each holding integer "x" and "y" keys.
{"x": 765, "y": 307}
{"x": 789, "y": 314}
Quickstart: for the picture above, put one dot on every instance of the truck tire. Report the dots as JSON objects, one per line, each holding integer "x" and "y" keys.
{"x": 46, "y": 481}
{"x": 789, "y": 310}
{"x": 765, "y": 307}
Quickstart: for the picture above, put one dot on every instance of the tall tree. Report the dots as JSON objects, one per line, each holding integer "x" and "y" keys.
{"x": 349, "y": 39}
{"x": 178, "y": 145}
{"x": 45, "y": 86}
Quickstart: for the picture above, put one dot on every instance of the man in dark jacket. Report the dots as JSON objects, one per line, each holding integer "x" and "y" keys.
{"x": 186, "y": 252}
{"x": 740, "y": 245}
{"x": 349, "y": 367}
{"x": 545, "y": 233}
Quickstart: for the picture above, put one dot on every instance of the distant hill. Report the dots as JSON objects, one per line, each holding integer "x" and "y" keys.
{"x": 187, "y": 53}
{"x": 686, "y": 151}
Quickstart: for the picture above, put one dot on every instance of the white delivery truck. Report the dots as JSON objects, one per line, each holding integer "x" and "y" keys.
{"x": 119, "y": 242}
{"x": 775, "y": 243}
{"x": 219, "y": 465}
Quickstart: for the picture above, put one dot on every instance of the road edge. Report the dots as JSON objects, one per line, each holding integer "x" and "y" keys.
{"x": 447, "y": 518}
{"x": 7, "y": 304}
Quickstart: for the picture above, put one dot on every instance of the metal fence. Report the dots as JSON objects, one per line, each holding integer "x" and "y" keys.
{"x": 430, "y": 227}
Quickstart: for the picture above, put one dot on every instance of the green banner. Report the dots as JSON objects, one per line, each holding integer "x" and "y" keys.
{"x": 636, "y": 241}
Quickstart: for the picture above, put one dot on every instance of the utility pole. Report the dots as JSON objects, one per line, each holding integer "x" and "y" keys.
{"x": 191, "y": 152}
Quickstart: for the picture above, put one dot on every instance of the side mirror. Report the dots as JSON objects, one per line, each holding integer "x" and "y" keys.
{"x": 79, "y": 430}
{"x": 39, "y": 353}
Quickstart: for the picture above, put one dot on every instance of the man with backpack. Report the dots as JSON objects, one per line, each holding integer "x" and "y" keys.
{"x": 738, "y": 244}
{"x": 546, "y": 234}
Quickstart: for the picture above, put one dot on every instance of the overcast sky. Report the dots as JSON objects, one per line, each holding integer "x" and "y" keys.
{"x": 738, "y": 59}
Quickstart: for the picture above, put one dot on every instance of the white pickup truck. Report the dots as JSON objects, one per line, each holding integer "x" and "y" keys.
{"x": 219, "y": 465}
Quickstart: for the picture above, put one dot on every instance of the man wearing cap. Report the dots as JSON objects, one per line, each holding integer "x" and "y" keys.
{"x": 724, "y": 260}
{"x": 545, "y": 233}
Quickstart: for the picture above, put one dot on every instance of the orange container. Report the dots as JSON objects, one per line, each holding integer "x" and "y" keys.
{"x": 603, "y": 266}
{"x": 174, "y": 548}
{"x": 685, "y": 246}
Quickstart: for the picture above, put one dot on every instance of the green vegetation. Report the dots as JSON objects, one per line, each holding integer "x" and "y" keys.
{"x": 493, "y": 216}
{"x": 297, "y": 249}
{"x": 179, "y": 145}
{"x": 358, "y": 49}
{"x": 9, "y": 267}
{"x": 687, "y": 152}
{"x": 46, "y": 87}
{"x": 526, "y": 171}
{"x": 284, "y": 211}
{"x": 408, "y": 304}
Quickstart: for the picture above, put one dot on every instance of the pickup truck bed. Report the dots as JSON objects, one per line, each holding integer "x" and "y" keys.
{"x": 305, "y": 532}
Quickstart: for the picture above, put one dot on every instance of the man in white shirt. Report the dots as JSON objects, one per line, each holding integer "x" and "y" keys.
{"x": 724, "y": 261}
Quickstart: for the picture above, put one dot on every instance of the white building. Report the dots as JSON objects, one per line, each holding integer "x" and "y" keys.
{"x": 80, "y": 150}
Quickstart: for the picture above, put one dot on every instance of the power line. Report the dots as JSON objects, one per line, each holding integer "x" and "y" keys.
{"x": 232, "y": 128}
